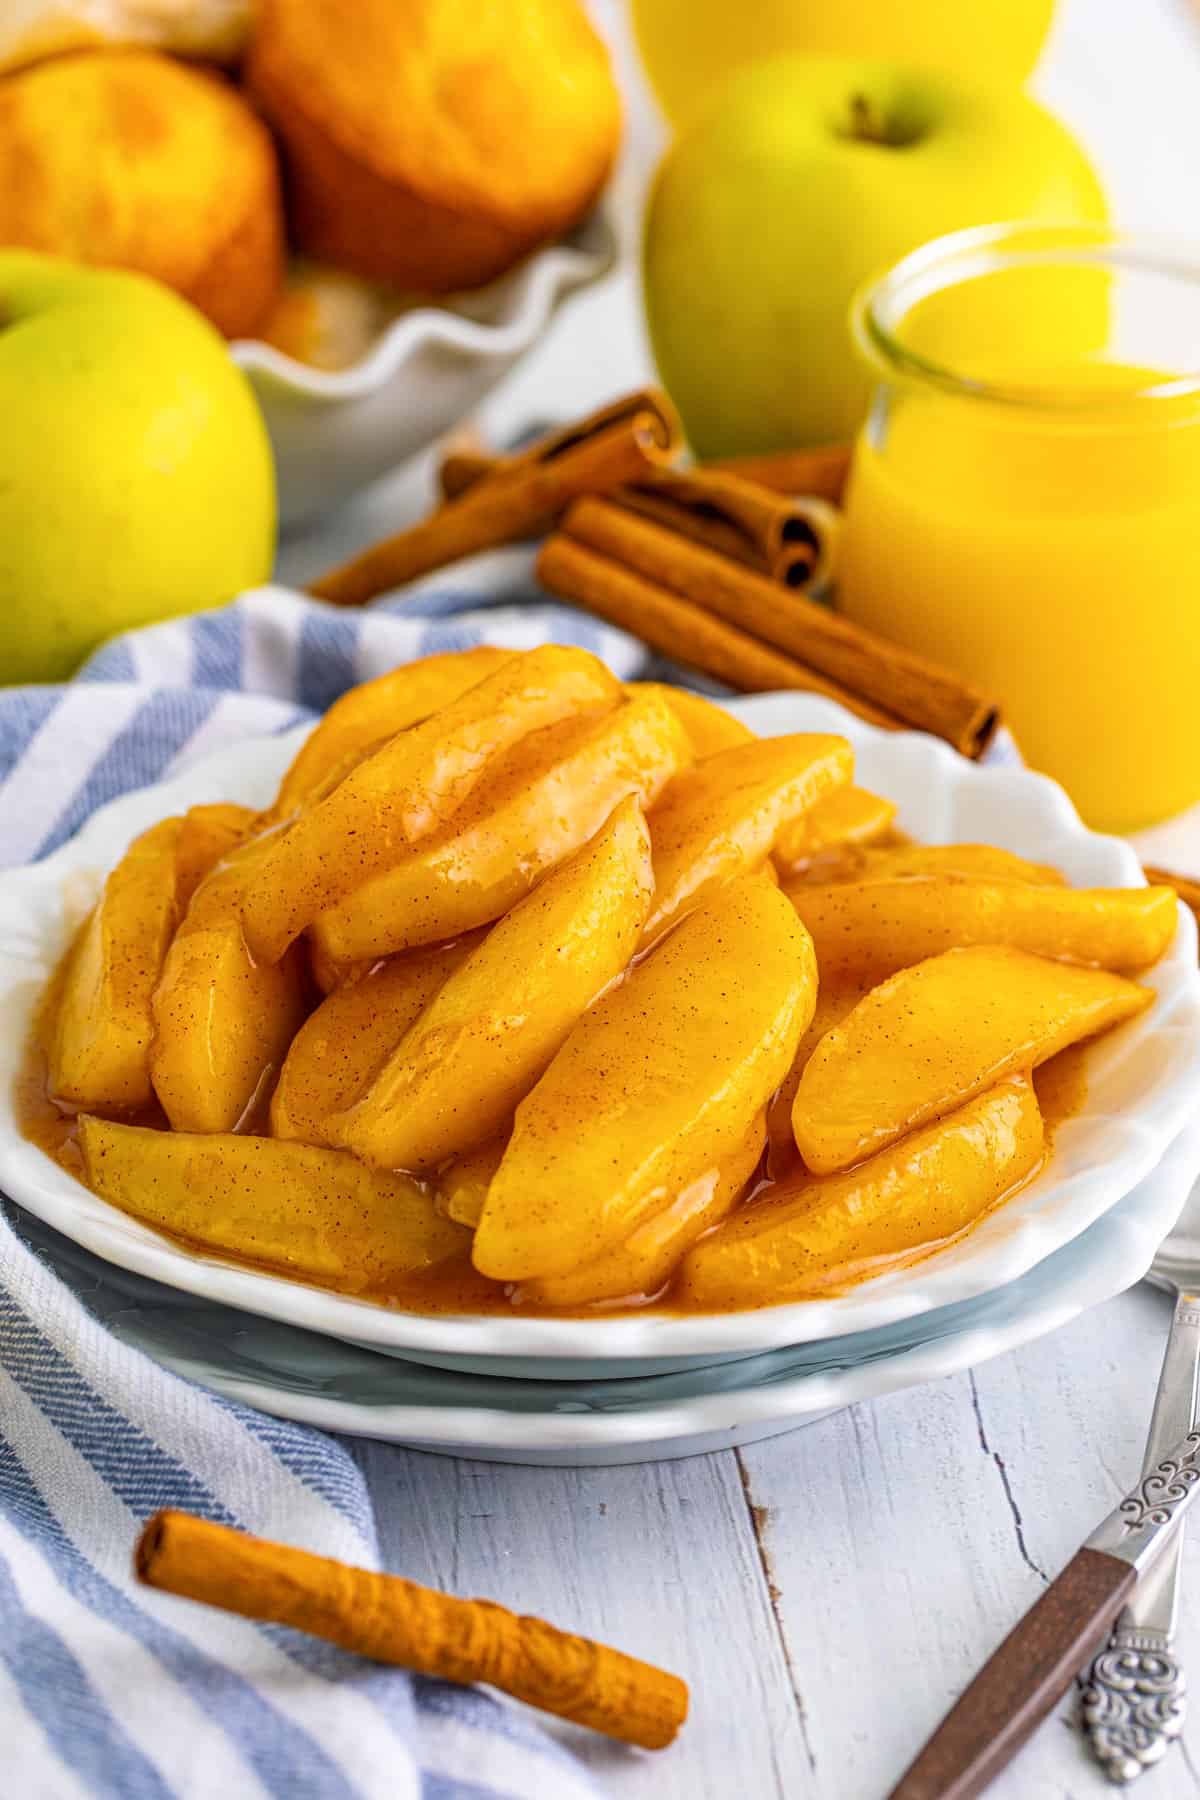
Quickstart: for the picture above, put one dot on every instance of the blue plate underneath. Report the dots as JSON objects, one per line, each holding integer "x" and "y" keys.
{"x": 301, "y": 1374}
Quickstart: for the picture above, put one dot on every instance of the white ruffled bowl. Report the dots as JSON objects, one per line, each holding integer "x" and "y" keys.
{"x": 1142, "y": 1083}
{"x": 335, "y": 430}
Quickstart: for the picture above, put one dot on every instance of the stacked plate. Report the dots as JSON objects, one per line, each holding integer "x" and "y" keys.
{"x": 623, "y": 1387}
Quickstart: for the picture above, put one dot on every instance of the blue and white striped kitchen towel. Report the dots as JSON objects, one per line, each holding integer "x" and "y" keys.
{"x": 107, "y": 1689}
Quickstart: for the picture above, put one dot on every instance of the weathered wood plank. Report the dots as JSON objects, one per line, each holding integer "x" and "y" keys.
{"x": 1072, "y": 1415}
{"x": 827, "y": 1593}
{"x": 660, "y": 1559}
{"x": 863, "y": 1524}
{"x": 905, "y": 1538}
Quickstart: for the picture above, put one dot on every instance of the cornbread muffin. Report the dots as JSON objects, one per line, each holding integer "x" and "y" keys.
{"x": 432, "y": 143}
{"x": 128, "y": 159}
{"x": 33, "y": 29}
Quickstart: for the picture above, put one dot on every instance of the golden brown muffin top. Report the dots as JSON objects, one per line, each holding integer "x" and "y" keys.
{"x": 129, "y": 158}
{"x": 479, "y": 105}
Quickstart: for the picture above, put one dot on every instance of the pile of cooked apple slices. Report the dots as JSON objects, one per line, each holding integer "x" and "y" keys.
{"x": 585, "y": 983}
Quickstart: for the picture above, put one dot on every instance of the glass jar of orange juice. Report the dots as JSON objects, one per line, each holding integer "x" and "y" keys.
{"x": 1025, "y": 499}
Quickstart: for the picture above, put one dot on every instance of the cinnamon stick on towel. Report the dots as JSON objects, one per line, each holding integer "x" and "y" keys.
{"x": 502, "y": 511}
{"x": 915, "y": 692}
{"x": 395, "y": 1621}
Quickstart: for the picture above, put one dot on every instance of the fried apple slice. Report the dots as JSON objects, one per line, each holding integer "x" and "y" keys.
{"x": 481, "y": 1044}
{"x": 222, "y": 1021}
{"x": 849, "y": 817}
{"x": 342, "y": 1046}
{"x": 375, "y": 710}
{"x": 949, "y": 862}
{"x": 330, "y": 972}
{"x": 552, "y": 796}
{"x": 463, "y": 1184}
{"x": 207, "y": 835}
{"x": 708, "y": 726}
{"x": 835, "y": 1000}
{"x": 414, "y": 784}
{"x": 933, "y": 1036}
{"x": 103, "y": 1025}
{"x": 966, "y": 862}
{"x": 815, "y": 1233}
{"x": 639, "y": 1268}
{"x": 719, "y": 819}
{"x": 874, "y": 928}
{"x": 309, "y": 1212}
{"x": 663, "y": 1077}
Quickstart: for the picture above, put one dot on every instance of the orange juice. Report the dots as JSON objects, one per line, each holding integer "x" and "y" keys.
{"x": 1038, "y": 528}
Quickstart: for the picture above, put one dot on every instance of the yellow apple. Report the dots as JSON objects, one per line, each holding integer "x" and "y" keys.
{"x": 807, "y": 176}
{"x": 689, "y": 47}
{"x": 136, "y": 479}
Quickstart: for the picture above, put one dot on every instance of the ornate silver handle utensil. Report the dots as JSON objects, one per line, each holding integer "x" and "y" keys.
{"x": 1058, "y": 1636}
{"x": 1135, "y": 1697}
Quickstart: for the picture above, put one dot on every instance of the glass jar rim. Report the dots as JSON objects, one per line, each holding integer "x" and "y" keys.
{"x": 881, "y": 303}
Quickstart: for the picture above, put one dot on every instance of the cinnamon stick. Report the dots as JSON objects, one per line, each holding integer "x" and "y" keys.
{"x": 502, "y": 511}
{"x": 822, "y": 471}
{"x": 702, "y": 522}
{"x": 396, "y": 1621}
{"x": 819, "y": 522}
{"x": 920, "y": 694}
{"x": 788, "y": 539}
{"x": 683, "y": 631}
{"x": 465, "y": 462}
{"x": 1186, "y": 886}
{"x": 463, "y": 449}
{"x": 791, "y": 540}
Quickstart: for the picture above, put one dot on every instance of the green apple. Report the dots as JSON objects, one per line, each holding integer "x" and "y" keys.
{"x": 136, "y": 479}
{"x": 807, "y": 176}
{"x": 691, "y": 47}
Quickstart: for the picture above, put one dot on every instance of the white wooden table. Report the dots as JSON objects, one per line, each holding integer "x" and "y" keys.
{"x": 828, "y": 1593}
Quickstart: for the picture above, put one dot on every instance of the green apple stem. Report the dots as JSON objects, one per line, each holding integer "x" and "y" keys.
{"x": 866, "y": 123}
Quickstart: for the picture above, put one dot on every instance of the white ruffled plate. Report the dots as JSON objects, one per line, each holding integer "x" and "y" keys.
{"x": 1141, "y": 1083}
{"x": 298, "y": 1375}
{"x": 335, "y": 430}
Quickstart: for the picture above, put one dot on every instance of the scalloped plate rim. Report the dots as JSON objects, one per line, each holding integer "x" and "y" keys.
{"x": 1108, "y": 1251}
{"x": 548, "y": 277}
